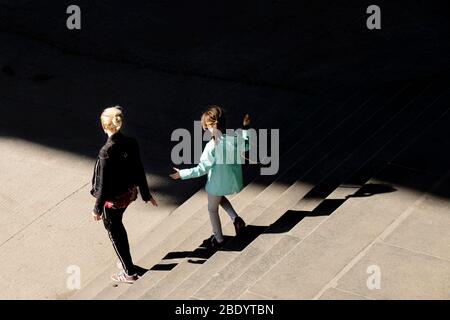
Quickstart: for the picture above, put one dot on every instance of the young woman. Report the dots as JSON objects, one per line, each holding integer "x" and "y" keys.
{"x": 118, "y": 172}
{"x": 220, "y": 160}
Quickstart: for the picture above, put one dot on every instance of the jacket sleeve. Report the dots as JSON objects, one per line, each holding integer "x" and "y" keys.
{"x": 140, "y": 176}
{"x": 245, "y": 137}
{"x": 101, "y": 171}
{"x": 243, "y": 141}
{"x": 207, "y": 160}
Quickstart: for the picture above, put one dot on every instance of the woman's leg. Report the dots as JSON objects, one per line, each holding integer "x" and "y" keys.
{"x": 112, "y": 219}
{"x": 213, "y": 209}
{"x": 226, "y": 205}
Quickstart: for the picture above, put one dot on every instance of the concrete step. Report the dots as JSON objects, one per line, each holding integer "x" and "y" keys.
{"x": 413, "y": 255}
{"x": 175, "y": 219}
{"x": 379, "y": 108}
{"x": 249, "y": 192}
{"x": 165, "y": 285}
{"x": 339, "y": 244}
{"x": 308, "y": 108}
{"x": 180, "y": 273}
{"x": 247, "y": 267}
{"x": 308, "y": 221}
{"x": 304, "y": 271}
{"x": 193, "y": 255}
{"x": 398, "y": 135}
{"x": 328, "y": 156}
{"x": 245, "y": 193}
{"x": 174, "y": 256}
{"x": 311, "y": 134}
{"x": 203, "y": 273}
{"x": 213, "y": 288}
{"x": 311, "y": 219}
{"x": 163, "y": 242}
{"x": 310, "y": 115}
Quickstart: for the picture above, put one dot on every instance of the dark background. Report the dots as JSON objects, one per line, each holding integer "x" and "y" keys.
{"x": 257, "y": 56}
{"x": 307, "y": 45}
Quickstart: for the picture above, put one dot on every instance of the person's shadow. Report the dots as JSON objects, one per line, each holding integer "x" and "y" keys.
{"x": 371, "y": 189}
{"x": 284, "y": 224}
{"x": 141, "y": 271}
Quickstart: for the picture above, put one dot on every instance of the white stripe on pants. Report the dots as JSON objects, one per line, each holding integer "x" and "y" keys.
{"x": 213, "y": 209}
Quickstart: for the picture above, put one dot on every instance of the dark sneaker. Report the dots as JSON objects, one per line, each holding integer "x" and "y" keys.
{"x": 239, "y": 224}
{"x": 213, "y": 243}
{"x": 123, "y": 277}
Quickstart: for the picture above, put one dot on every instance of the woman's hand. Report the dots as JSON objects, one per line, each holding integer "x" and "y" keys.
{"x": 176, "y": 174}
{"x": 246, "y": 120}
{"x": 153, "y": 201}
{"x": 97, "y": 217}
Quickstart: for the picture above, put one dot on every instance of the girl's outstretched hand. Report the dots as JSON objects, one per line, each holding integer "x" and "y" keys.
{"x": 176, "y": 174}
{"x": 246, "y": 120}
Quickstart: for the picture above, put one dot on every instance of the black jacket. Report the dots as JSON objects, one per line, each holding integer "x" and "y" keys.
{"x": 118, "y": 167}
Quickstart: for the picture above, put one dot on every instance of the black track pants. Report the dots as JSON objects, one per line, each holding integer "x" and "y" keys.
{"x": 112, "y": 219}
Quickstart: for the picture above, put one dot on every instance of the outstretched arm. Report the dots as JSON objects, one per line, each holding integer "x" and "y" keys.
{"x": 207, "y": 160}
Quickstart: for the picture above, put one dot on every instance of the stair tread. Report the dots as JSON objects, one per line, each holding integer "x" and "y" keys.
{"x": 310, "y": 227}
{"x": 281, "y": 189}
{"x": 206, "y": 225}
{"x": 347, "y": 232}
{"x": 165, "y": 227}
{"x": 227, "y": 274}
{"x": 341, "y": 237}
{"x": 286, "y": 200}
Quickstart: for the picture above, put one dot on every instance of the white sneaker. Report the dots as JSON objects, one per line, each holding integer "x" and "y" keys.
{"x": 123, "y": 277}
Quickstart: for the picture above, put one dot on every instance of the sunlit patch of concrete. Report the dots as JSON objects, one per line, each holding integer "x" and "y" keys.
{"x": 45, "y": 220}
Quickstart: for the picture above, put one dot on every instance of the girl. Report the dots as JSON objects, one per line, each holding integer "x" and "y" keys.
{"x": 220, "y": 160}
{"x": 118, "y": 172}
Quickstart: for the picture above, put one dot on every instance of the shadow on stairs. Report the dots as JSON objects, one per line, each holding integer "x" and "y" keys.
{"x": 283, "y": 225}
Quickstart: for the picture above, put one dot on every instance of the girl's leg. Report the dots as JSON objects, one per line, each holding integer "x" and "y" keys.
{"x": 239, "y": 224}
{"x": 226, "y": 205}
{"x": 213, "y": 209}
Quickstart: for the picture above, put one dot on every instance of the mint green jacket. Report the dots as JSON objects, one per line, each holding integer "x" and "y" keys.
{"x": 222, "y": 161}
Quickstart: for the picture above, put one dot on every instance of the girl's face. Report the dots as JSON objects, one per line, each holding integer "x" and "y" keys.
{"x": 210, "y": 128}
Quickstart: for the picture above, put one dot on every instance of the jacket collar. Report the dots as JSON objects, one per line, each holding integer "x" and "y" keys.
{"x": 116, "y": 136}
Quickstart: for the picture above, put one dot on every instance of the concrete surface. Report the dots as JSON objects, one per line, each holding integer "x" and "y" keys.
{"x": 404, "y": 275}
{"x": 165, "y": 65}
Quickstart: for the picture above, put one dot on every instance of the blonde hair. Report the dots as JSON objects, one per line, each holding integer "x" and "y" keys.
{"x": 112, "y": 119}
{"x": 215, "y": 117}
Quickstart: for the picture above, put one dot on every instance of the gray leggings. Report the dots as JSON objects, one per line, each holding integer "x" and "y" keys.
{"x": 213, "y": 209}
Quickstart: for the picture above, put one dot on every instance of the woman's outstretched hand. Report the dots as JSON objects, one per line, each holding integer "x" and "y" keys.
{"x": 176, "y": 174}
{"x": 246, "y": 120}
{"x": 97, "y": 217}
